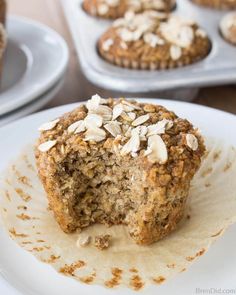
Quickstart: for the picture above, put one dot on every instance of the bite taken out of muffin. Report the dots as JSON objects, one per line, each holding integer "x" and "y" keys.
{"x": 119, "y": 162}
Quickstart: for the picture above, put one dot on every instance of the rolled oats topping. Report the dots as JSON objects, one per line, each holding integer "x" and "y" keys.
{"x": 175, "y": 52}
{"x": 160, "y": 127}
{"x": 140, "y": 120}
{"x": 178, "y": 31}
{"x": 158, "y": 151}
{"x": 95, "y": 102}
{"x": 131, "y": 115}
{"x": 113, "y": 127}
{"x": 95, "y": 134}
{"x": 103, "y": 9}
{"x": 117, "y": 111}
{"x": 153, "y": 40}
{"x": 78, "y": 126}
{"x": 107, "y": 44}
{"x": 93, "y": 120}
{"x": 132, "y": 145}
{"x": 192, "y": 141}
{"x": 49, "y": 125}
{"x": 201, "y": 33}
{"x": 130, "y": 126}
{"x": 46, "y": 146}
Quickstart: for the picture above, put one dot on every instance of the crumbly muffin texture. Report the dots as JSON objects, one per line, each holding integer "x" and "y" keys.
{"x": 117, "y": 8}
{"x": 119, "y": 162}
{"x": 218, "y": 4}
{"x": 153, "y": 40}
{"x": 228, "y": 27}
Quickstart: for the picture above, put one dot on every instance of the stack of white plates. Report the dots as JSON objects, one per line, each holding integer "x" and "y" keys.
{"x": 34, "y": 67}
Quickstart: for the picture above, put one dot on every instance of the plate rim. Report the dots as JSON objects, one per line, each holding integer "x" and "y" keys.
{"x": 48, "y": 82}
{"x": 33, "y": 106}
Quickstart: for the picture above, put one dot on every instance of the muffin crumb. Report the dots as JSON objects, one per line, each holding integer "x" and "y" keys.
{"x": 102, "y": 242}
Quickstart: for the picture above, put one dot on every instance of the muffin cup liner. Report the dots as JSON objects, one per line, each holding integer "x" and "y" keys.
{"x": 210, "y": 210}
{"x": 142, "y": 65}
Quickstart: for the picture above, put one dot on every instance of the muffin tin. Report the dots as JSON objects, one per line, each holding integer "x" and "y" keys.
{"x": 219, "y": 67}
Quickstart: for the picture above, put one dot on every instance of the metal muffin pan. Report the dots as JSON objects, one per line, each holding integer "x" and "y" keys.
{"x": 219, "y": 67}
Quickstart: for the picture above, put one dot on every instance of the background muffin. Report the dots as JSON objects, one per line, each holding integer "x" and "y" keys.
{"x": 153, "y": 40}
{"x": 3, "y": 8}
{"x": 228, "y": 27}
{"x": 117, "y": 8}
{"x": 219, "y": 4}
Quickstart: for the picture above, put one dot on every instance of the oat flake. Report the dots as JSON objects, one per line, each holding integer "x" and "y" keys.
{"x": 192, "y": 142}
{"x": 49, "y": 125}
{"x": 140, "y": 120}
{"x": 46, "y": 146}
{"x": 159, "y": 152}
{"x": 76, "y": 125}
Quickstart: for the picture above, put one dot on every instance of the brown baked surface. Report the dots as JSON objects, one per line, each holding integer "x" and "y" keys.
{"x": 117, "y": 8}
{"x": 133, "y": 178}
{"x": 218, "y": 4}
{"x": 3, "y": 8}
{"x": 153, "y": 41}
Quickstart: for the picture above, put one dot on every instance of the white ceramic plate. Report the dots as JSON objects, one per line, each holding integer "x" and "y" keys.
{"x": 36, "y": 57}
{"x": 21, "y": 273}
{"x": 33, "y": 106}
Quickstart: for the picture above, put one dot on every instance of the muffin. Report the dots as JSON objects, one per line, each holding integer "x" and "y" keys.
{"x": 228, "y": 27}
{"x": 117, "y": 8}
{"x": 3, "y": 7}
{"x": 153, "y": 40}
{"x": 3, "y": 44}
{"x": 119, "y": 162}
{"x": 219, "y": 4}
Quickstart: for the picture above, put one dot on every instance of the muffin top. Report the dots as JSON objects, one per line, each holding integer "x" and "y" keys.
{"x": 127, "y": 128}
{"x": 117, "y": 8}
{"x": 228, "y": 27}
{"x": 3, "y": 39}
{"x": 218, "y": 4}
{"x": 155, "y": 37}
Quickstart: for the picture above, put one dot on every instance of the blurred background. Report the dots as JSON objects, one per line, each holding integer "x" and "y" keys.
{"x": 76, "y": 87}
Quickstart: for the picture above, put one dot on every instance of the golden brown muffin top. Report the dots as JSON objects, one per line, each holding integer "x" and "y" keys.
{"x": 155, "y": 36}
{"x": 117, "y": 8}
{"x": 127, "y": 128}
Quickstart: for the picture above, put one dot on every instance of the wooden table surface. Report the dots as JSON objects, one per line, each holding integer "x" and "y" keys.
{"x": 76, "y": 87}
